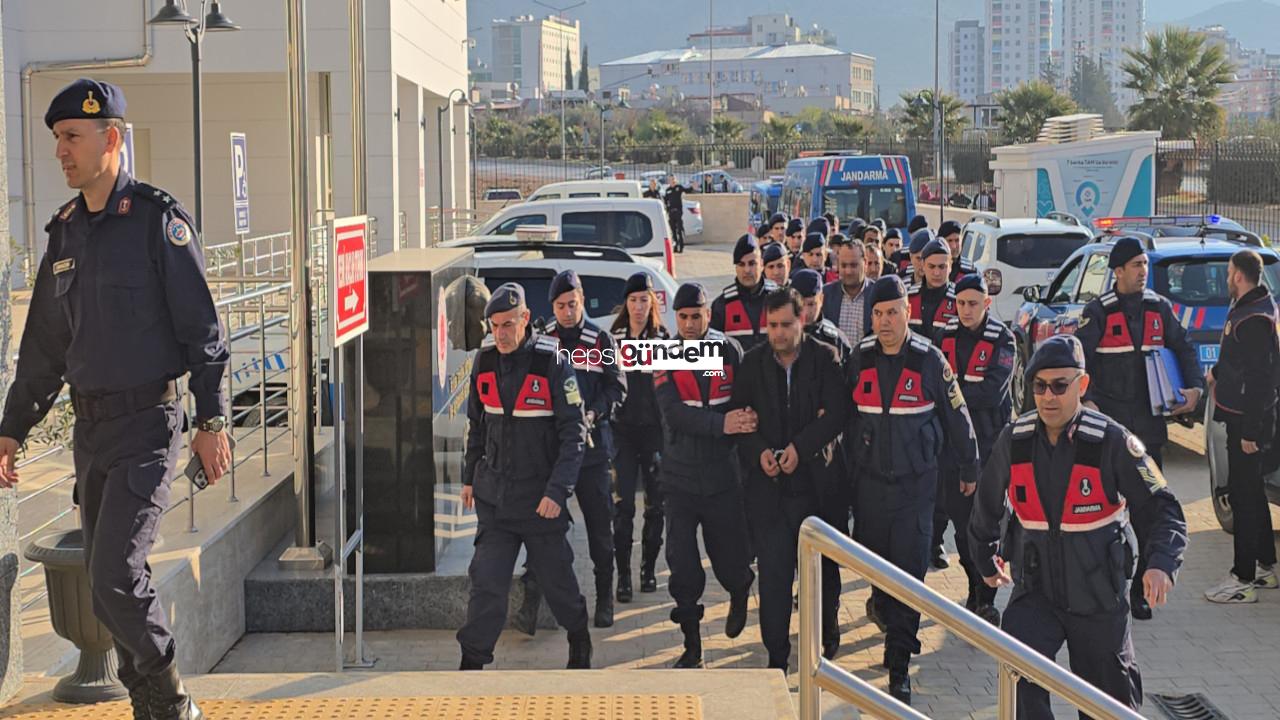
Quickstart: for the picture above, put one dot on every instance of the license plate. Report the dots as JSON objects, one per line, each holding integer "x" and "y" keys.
{"x": 1208, "y": 354}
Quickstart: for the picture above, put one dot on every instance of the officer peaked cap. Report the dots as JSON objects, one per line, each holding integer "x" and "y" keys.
{"x": 86, "y": 99}
{"x": 886, "y": 288}
{"x": 806, "y": 282}
{"x": 508, "y": 296}
{"x": 563, "y": 282}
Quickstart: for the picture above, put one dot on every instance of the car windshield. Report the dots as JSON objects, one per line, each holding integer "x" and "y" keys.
{"x": 603, "y": 294}
{"x": 773, "y": 203}
{"x": 887, "y": 202}
{"x": 1203, "y": 280}
{"x": 1041, "y": 250}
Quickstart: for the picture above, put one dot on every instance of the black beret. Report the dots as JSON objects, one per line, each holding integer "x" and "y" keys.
{"x": 933, "y": 247}
{"x": 856, "y": 223}
{"x": 888, "y": 287}
{"x": 796, "y": 225}
{"x": 880, "y": 223}
{"x": 916, "y": 223}
{"x": 745, "y": 246}
{"x": 919, "y": 238}
{"x": 838, "y": 239}
{"x": 689, "y": 295}
{"x": 777, "y": 218}
{"x": 507, "y": 297}
{"x": 972, "y": 281}
{"x": 892, "y": 233}
{"x": 806, "y": 282}
{"x": 948, "y": 227}
{"x": 762, "y": 232}
{"x": 818, "y": 224}
{"x": 813, "y": 240}
{"x": 772, "y": 253}
{"x": 1125, "y": 249}
{"x": 638, "y": 282}
{"x": 86, "y": 99}
{"x": 1059, "y": 351}
{"x": 563, "y": 282}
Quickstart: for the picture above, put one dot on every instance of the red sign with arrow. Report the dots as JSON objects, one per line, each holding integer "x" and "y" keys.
{"x": 350, "y": 283}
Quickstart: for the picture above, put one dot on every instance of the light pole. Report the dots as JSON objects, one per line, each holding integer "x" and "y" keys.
{"x": 440, "y": 111}
{"x": 604, "y": 109}
{"x": 560, "y": 11}
{"x": 937, "y": 109}
{"x": 214, "y": 21}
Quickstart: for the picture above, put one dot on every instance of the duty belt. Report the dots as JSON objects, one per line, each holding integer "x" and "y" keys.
{"x": 97, "y": 407}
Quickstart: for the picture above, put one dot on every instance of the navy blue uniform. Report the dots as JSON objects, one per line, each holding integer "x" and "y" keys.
{"x": 637, "y": 433}
{"x": 826, "y": 331}
{"x": 982, "y": 360}
{"x": 525, "y": 440}
{"x": 700, "y": 483}
{"x": 1070, "y": 544}
{"x": 909, "y": 412}
{"x": 739, "y": 313}
{"x": 960, "y": 267}
{"x": 120, "y": 310}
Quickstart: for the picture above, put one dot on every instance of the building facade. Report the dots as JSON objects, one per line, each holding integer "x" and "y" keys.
{"x": 1102, "y": 30}
{"x": 1019, "y": 33}
{"x": 530, "y": 52}
{"x": 968, "y": 69}
{"x": 769, "y": 29}
{"x": 1255, "y": 93}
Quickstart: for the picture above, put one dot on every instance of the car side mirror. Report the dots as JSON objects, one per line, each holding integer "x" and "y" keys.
{"x": 1030, "y": 293}
{"x": 995, "y": 281}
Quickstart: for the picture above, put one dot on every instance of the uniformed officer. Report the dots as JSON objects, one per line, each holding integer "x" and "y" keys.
{"x": 1246, "y": 377}
{"x": 891, "y": 244}
{"x": 673, "y": 198}
{"x": 949, "y": 232}
{"x": 762, "y": 235}
{"x": 120, "y": 310}
{"x": 603, "y": 388}
{"x": 739, "y": 310}
{"x": 637, "y": 434}
{"x": 1117, "y": 330}
{"x": 778, "y": 228}
{"x": 917, "y": 223}
{"x": 908, "y": 411}
{"x": 933, "y": 299}
{"x": 700, "y": 478}
{"x": 1069, "y": 474}
{"x": 809, "y": 285}
{"x": 795, "y": 241}
{"x": 815, "y": 256}
{"x": 908, "y": 261}
{"x": 777, "y": 264}
{"x": 818, "y": 225}
{"x": 653, "y": 191}
{"x": 524, "y": 450}
{"x": 980, "y": 351}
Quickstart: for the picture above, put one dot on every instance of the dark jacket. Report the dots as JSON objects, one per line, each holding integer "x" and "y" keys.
{"x": 833, "y": 296}
{"x": 959, "y": 268}
{"x": 1248, "y": 369}
{"x": 640, "y": 407}
{"x": 826, "y": 331}
{"x": 983, "y": 363}
{"x": 602, "y": 384}
{"x": 739, "y": 312}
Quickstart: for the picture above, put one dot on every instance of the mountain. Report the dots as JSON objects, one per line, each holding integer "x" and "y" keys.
{"x": 1252, "y": 22}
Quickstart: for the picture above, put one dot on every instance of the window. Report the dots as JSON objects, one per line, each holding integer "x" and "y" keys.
{"x": 1094, "y": 281}
{"x": 584, "y": 195}
{"x": 509, "y": 227}
{"x": 1042, "y": 251}
{"x": 626, "y": 229}
{"x": 1060, "y": 290}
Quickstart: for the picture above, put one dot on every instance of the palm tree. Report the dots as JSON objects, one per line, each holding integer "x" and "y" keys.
{"x": 728, "y": 129}
{"x": 544, "y": 130}
{"x": 847, "y": 127}
{"x": 1178, "y": 77}
{"x": 779, "y": 129}
{"x": 1023, "y": 109}
{"x": 917, "y": 115}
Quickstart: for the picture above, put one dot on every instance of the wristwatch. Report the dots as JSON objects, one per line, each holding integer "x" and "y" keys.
{"x": 215, "y": 424}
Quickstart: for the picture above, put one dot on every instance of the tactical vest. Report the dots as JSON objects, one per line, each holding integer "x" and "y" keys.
{"x": 1081, "y": 557}
{"x": 737, "y": 320}
{"x": 945, "y": 311}
{"x": 908, "y": 396}
{"x": 901, "y": 434}
{"x": 587, "y": 359}
{"x": 1115, "y": 330}
{"x": 1230, "y": 391}
{"x": 534, "y": 398}
{"x": 718, "y": 390}
{"x": 984, "y": 351}
{"x": 961, "y": 267}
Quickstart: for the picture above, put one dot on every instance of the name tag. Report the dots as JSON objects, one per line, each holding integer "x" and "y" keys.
{"x": 64, "y": 265}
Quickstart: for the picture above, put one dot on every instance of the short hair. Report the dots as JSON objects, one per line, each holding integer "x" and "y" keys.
{"x": 1249, "y": 263}
{"x": 784, "y": 297}
{"x": 872, "y": 249}
{"x": 855, "y": 246}
{"x": 117, "y": 123}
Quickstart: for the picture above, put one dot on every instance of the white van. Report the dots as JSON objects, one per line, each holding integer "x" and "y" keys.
{"x": 574, "y": 189}
{"x": 637, "y": 225}
{"x": 1016, "y": 252}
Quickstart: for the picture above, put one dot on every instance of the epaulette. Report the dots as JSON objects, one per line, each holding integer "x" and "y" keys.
{"x": 1151, "y": 296}
{"x": 1108, "y": 298}
{"x": 1025, "y": 424}
{"x": 953, "y": 324}
{"x": 489, "y": 342}
{"x": 64, "y": 213}
{"x": 590, "y": 334}
{"x": 994, "y": 329}
{"x": 154, "y": 194}
{"x": 715, "y": 335}
{"x": 620, "y": 334}
{"x": 1092, "y": 425}
{"x": 546, "y": 344}
{"x": 867, "y": 342}
{"x": 730, "y": 292}
{"x": 919, "y": 344}
{"x": 769, "y": 285}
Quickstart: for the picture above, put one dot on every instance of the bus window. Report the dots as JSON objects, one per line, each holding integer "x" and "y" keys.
{"x": 887, "y": 202}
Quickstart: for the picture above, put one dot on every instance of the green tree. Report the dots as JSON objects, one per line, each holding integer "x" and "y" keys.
{"x": 584, "y": 79}
{"x": 728, "y": 129}
{"x": 657, "y": 128}
{"x": 568, "y": 70}
{"x": 1023, "y": 109}
{"x": 543, "y": 131}
{"x": 1091, "y": 90}
{"x": 848, "y": 128}
{"x": 917, "y": 115}
{"x": 1178, "y": 78}
{"x": 499, "y": 137}
{"x": 814, "y": 122}
{"x": 779, "y": 129}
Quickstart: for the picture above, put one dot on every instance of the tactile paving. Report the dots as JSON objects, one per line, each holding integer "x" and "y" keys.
{"x": 507, "y": 707}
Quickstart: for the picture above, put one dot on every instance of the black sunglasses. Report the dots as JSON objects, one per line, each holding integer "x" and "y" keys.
{"x": 1058, "y": 387}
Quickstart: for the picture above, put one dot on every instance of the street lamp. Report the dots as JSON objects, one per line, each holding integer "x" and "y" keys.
{"x": 621, "y": 104}
{"x": 440, "y": 111}
{"x": 174, "y": 13}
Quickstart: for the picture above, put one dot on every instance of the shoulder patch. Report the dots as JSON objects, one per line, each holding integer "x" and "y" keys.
{"x": 571, "y": 394}
{"x": 178, "y": 232}
{"x": 547, "y": 344}
{"x": 1134, "y": 445}
{"x": 67, "y": 210}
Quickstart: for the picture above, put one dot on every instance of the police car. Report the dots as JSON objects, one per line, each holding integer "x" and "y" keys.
{"x": 1188, "y": 266}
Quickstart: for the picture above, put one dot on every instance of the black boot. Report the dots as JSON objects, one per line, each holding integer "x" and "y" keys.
{"x": 469, "y": 664}
{"x": 899, "y": 677}
{"x": 624, "y": 583}
{"x": 939, "y": 560}
{"x": 169, "y": 699}
{"x": 989, "y": 613}
{"x": 604, "y": 602}
{"x": 874, "y": 616}
{"x": 648, "y": 580}
{"x": 737, "y": 619}
{"x": 579, "y": 650}
{"x": 692, "y": 655}
{"x": 831, "y": 646}
{"x": 526, "y": 618}
{"x": 135, "y": 683}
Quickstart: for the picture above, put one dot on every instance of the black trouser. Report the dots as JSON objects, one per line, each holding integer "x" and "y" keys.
{"x": 775, "y": 533}
{"x": 1141, "y": 521}
{"x": 497, "y": 545}
{"x": 596, "y": 502}
{"x": 723, "y": 532}
{"x": 1100, "y": 646}
{"x": 124, "y": 469}
{"x": 676, "y": 221}
{"x": 941, "y": 514}
{"x": 959, "y": 507}
{"x": 1253, "y": 540}
{"x": 636, "y": 465}
{"x": 895, "y": 521}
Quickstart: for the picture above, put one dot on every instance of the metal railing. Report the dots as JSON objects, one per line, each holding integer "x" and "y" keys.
{"x": 1014, "y": 659}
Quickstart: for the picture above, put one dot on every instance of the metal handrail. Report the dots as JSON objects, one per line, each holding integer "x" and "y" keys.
{"x": 1014, "y": 659}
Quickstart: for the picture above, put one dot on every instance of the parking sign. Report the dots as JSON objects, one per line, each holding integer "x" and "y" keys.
{"x": 240, "y": 181}
{"x": 349, "y": 279}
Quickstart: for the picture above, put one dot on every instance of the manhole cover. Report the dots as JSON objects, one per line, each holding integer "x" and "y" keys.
{"x": 1187, "y": 707}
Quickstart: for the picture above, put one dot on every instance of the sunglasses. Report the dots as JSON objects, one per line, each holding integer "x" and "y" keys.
{"x": 1058, "y": 387}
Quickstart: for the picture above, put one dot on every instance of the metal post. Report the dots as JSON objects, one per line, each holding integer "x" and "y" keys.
{"x": 262, "y": 381}
{"x": 306, "y": 553}
{"x": 937, "y": 107}
{"x": 564, "y": 151}
{"x": 231, "y": 404}
{"x": 355, "y": 12}
{"x": 711, "y": 71}
{"x": 810, "y": 566}
{"x": 602, "y": 177}
{"x": 339, "y": 404}
{"x": 195, "y": 37}
{"x": 1007, "y": 693}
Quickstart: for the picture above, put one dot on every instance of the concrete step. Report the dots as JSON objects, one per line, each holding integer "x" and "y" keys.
{"x": 354, "y": 695}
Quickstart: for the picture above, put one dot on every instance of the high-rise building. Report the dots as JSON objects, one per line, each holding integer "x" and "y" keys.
{"x": 1018, "y": 37}
{"x": 530, "y": 52}
{"x": 1102, "y": 30}
{"x": 968, "y": 70}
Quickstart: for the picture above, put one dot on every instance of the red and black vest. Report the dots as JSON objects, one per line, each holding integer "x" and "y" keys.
{"x": 974, "y": 370}
{"x": 686, "y": 382}
{"x": 908, "y": 395}
{"x": 534, "y": 398}
{"x": 738, "y": 322}
{"x": 946, "y": 309}
{"x": 1115, "y": 331}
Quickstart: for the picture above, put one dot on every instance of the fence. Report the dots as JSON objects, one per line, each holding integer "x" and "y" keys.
{"x": 1238, "y": 178}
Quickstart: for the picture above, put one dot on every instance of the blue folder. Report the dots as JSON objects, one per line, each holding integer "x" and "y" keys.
{"x": 1173, "y": 373}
